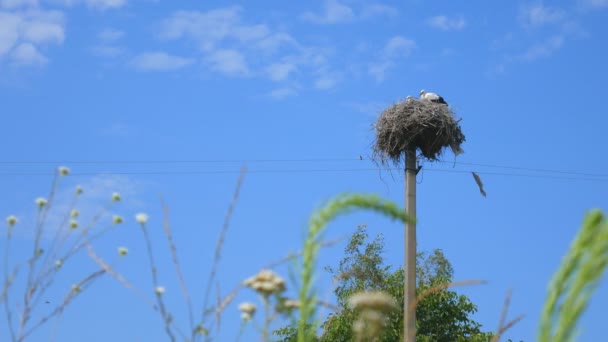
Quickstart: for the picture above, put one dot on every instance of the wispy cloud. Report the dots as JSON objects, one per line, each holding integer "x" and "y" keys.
{"x": 378, "y": 10}
{"x": 283, "y": 92}
{"x": 333, "y": 12}
{"x": 446, "y": 23}
{"x": 12, "y": 4}
{"x": 109, "y": 43}
{"x": 543, "y": 49}
{"x": 27, "y": 54}
{"x": 110, "y": 35}
{"x": 160, "y": 61}
{"x": 336, "y": 12}
{"x": 538, "y": 15}
{"x": 228, "y": 61}
{"x": 594, "y": 4}
{"x": 97, "y": 194}
{"x": 397, "y": 47}
{"x": 23, "y": 33}
{"x": 94, "y": 4}
{"x": 229, "y": 45}
{"x": 280, "y": 71}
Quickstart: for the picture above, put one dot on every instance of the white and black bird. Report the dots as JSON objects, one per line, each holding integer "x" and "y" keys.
{"x": 432, "y": 97}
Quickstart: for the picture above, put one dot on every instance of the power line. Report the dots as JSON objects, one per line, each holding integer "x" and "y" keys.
{"x": 202, "y": 172}
{"x": 306, "y": 160}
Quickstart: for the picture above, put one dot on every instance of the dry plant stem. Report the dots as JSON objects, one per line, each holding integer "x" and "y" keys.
{"x": 45, "y": 280}
{"x": 7, "y": 283}
{"x": 31, "y": 286}
{"x": 117, "y": 276}
{"x": 267, "y": 318}
{"x": 509, "y": 325}
{"x": 176, "y": 265}
{"x": 83, "y": 285}
{"x": 159, "y": 297}
{"x": 52, "y": 251}
{"x": 220, "y": 242}
{"x": 503, "y": 316}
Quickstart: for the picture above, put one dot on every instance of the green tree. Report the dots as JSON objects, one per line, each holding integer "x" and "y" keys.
{"x": 442, "y": 316}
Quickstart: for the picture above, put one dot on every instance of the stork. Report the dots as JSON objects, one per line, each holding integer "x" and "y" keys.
{"x": 432, "y": 97}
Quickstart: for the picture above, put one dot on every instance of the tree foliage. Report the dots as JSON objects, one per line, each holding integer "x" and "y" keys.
{"x": 442, "y": 316}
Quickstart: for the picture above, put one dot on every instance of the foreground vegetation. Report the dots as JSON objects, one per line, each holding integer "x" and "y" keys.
{"x": 368, "y": 292}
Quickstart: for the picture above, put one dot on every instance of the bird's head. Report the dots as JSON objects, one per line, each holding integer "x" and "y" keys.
{"x": 422, "y": 92}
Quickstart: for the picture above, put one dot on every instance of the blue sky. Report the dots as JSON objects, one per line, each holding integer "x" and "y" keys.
{"x": 112, "y": 87}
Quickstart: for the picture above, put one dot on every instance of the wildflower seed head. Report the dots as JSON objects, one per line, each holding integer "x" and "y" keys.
{"x": 41, "y": 202}
{"x": 115, "y": 197}
{"x": 141, "y": 218}
{"x": 76, "y": 288}
{"x": 200, "y": 330}
{"x": 58, "y": 264}
{"x": 122, "y": 251}
{"x": 64, "y": 171}
{"x": 159, "y": 290}
{"x": 116, "y": 219}
{"x": 291, "y": 304}
{"x": 74, "y": 213}
{"x": 375, "y": 300}
{"x": 78, "y": 190}
{"x": 248, "y": 308}
{"x": 73, "y": 224}
{"x": 12, "y": 220}
{"x": 266, "y": 282}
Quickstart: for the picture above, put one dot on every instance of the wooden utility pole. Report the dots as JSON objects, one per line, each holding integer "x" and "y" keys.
{"x": 409, "y": 316}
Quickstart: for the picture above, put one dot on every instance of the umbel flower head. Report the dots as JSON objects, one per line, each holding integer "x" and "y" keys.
{"x": 266, "y": 282}
{"x": 12, "y": 220}
{"x": 117, "y": 219}
{"x": 374, "y": 310}
{"x": 247, "y": 310}
{"x": 141, "y": 218}
{"x": 159, "y": 290}
{"x": 116, "y": 197}
{"x": 64, "y": 171}
{"x": 41, "y": 202}
{"x": 122, "y": 251}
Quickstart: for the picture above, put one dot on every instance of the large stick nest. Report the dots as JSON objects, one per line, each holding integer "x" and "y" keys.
{"x": 419, "y": 125}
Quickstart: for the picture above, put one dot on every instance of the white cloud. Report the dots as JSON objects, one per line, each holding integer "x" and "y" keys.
{"x": 333, "y": 13}
{"x": 599, "y": 4}
{"x": 11, "y": 4}
{"x": 110, "y": 35}
{"x": 396, "y": 48}
{"x": 326, "y": 82}
{"x": 544, "y": 49}
{"x": 281, "y": 93}
{"x": 378, "y": 10}
{"x": 27, "y": 54}
{"x": 108, "y": 45}
{"x": 446, "y": 23}
{"x": 229, "y": 62}
{"x": 22, "y": 34}
{"x": 108, "y": 51}
{"x": 160, "y": 61}
{"x": 280, "y": 71}
{"x": 399, "y": 46}
{"x": 44, "y": 27}
{"x": 106, "y": 4}
{"x": 539, "y": 15}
